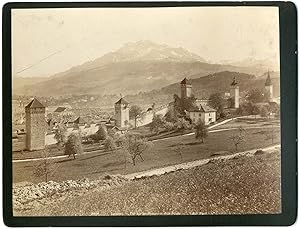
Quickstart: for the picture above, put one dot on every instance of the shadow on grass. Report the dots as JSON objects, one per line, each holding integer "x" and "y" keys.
{"x": 115, "y": 164}
{"x": 94, "y": 156}
{"x": 194, "y": 143}
{"x": 188, "y": 144}
{"x": 66, "y": 160}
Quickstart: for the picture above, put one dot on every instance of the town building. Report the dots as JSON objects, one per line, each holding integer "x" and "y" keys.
{"x": 122, "y": 113}
{"x": 35, "y": 125}
{"x": 235, "y": 94}
{"x": 186, "y": 88}
{"x": 203, "y": 113}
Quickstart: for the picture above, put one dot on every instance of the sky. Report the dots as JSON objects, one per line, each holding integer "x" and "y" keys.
{"x": 48, "y": 41}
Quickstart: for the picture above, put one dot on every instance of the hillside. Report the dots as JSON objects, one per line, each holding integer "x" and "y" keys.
{"x": 150, "y": 66}
{"x": 202, "y": 88}
{"x": 220, "y": 82}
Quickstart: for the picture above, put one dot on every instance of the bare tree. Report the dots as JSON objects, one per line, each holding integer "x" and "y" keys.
{"x": 238, "y": 138}
{"x": 134, "y": 112}
{"x": 134, "y": 146}
{"x": 47, "y": 166}
{"x": 60, "y": 134}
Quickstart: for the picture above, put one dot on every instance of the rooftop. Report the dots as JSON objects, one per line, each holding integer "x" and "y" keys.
{"x": 202, "y": 108}
{"x": 268, "y": 80}
{"x": 185, "y": 81}
{"x": 122, "y": 101}
{"x": 34, "y": 104}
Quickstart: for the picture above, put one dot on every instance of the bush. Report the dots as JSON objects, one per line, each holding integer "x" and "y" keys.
{"x": 73, "y": 145}
{"x": 101, "y": 134}
{"x": 169, "y": 126}
{"x": 259, "y": 152}
{"x": 109, "y": 144}
{"x": 201, "y": 131}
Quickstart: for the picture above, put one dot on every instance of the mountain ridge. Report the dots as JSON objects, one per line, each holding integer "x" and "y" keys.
{"x": 147, "y": 64}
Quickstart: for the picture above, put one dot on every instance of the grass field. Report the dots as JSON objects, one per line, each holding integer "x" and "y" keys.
{"x": 162, "y": 153}
{"x": 249, "y": 122}
{"x": 243, "y": 185}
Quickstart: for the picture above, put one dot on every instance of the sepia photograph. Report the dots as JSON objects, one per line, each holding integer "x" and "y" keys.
{"x": 146, "y": 111}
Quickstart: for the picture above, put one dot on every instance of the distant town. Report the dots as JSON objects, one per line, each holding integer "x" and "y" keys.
{"x": 41, "y": 122}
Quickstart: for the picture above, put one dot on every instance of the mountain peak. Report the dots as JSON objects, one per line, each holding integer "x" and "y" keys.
{"x": 145, "y": 50}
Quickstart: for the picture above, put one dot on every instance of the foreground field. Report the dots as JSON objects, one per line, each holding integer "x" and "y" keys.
{"x": 162, "y": 153}
{"x": 242, "y": 185}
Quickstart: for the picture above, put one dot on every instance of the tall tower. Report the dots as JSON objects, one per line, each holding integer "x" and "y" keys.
{"x": 122, "y": 113}
{"x": 235, "y": 93}
{"x": 186, "y": 88}
{"x": 35, "y": 125}
{"x": 269, "y": 87}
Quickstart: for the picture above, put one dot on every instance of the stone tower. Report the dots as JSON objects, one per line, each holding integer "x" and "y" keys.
{"x": 122, "y": 113}
{"x": 35, "y": 125}
{"x": 235, "y": 93}
{"x": 269, "y": 87}
{"x": 186, "y": 88}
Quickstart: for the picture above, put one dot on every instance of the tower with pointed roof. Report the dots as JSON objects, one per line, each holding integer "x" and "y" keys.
{"x": 35, "y": 125}
{"x": 122, "y": 113}
{"x": 269, "y": 87}
{"x": 186, "y": 88}
{"x": 235, "y": 93}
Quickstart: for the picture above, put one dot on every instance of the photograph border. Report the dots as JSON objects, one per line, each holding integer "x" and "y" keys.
{"x": 288, "y": 96}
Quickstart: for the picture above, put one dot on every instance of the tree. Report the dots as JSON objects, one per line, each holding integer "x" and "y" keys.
{"x": 201, "y": 131}
{"x": 238, "y": 138}
{"x": 270, "y": 135}
{"x": 157, "y": 123}
{"x": 109, "y": 144}
{"x": 171, "y": 116}
{"x": 217, "y": 102}
{"x": 169, "y": 126}
{"x": 134, "y": 112}
{"x": 264, "y": 111}
{"x": 255, "y": 110}
{"x": 134, "y": 146}
{"x": 60, "y": 134}
{"x": 179, "y": 147}
{"x": 182, "y": 104}
{"x": 230, "y": 102}
{"x": 188, "y": 103}
{"x": 101, "y": 134}
{"x": 182, "y": 124}
{"x": 47, "y": 166}
{"x": 255, "y": 96}
{"x": 73, "y": 145}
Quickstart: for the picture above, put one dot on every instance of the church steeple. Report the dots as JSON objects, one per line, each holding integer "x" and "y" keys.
{"x": 235, "y": 93}
{"x": 268, "y": 80}
{"x": 269, "y": 87}
{"x": 234, "y": 82}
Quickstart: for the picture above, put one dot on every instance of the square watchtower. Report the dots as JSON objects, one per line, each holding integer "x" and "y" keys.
{"x": 35, "y": 125}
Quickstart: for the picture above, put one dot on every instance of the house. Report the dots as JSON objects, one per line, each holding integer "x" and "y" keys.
{"x": 204, "y": 113}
